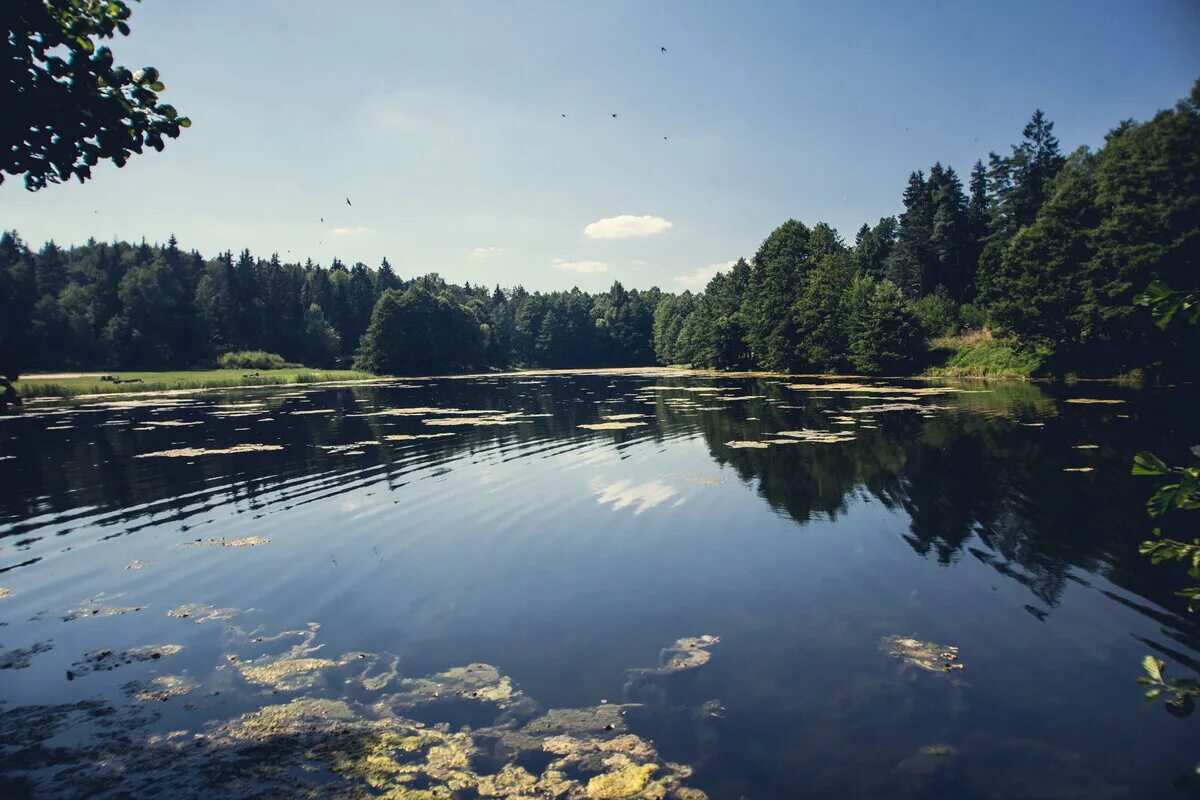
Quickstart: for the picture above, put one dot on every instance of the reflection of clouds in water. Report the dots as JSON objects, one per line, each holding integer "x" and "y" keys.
{"x": 584, "y": 458}
{"x": 625, "y": 493}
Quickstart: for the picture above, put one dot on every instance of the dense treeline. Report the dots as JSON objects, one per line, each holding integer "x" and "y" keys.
{"x": 1047, "y": 250}
{"x": 156, "y": 307}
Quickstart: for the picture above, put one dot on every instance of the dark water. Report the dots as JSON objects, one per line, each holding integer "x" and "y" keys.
{"x": 568, "y": 559}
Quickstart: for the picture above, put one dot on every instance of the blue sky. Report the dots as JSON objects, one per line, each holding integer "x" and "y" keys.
{"x": 441, "y": 121}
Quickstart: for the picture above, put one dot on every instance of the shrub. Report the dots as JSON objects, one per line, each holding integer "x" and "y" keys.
{"x": 939, "y": 314}
{"x": 251, "y": 359}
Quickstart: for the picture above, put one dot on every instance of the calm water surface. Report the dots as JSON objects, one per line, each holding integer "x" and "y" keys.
{"x": 519, "y": 606}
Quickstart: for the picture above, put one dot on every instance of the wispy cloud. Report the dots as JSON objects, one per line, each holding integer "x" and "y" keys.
{"x": 579, "y": 266}
{"x": 626, "y": 226}
{"x": 698, "y": 279}
{"x": 480, "y": 253}
{"x": 356, "y": 231}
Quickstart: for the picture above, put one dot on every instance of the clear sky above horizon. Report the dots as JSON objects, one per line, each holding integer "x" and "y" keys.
{"x": 442, "y": 123}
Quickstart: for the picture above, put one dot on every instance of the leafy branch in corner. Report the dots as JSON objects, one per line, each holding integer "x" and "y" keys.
{"x": 1181, "y": 692}
{"x": 1165, "y": 304}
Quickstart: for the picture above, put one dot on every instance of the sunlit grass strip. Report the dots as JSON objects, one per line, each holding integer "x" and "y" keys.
{"x": 186, "y": 379}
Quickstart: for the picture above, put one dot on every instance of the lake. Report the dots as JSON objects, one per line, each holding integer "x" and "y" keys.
{"x": 741, "y": 586}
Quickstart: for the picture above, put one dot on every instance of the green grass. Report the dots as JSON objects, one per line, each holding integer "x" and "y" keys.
{"x": 185, "y": 379}
{"x": 979, "y": 355}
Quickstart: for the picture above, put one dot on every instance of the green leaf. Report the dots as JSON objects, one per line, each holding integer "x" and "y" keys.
{"x": 1155, "y": 692}
{"x": 1146, "y": 463}
{"x": 1162, "y": 500}
{"x": 1154, "y": 667}
{"x": 184, "y": 122}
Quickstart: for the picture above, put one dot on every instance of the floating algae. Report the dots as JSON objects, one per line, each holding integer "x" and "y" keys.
{"x": 740, "y": 444}
{"x": 249, "y": 541}
{"x": 104, "y": 659}
{"x": 22, "y": 657}
{"x": 5, "y": 593}
{"x": 93, "y": 607}
{"x": 611, "y": 426}
{"x": 408, "y": 437}
{"x": 202, "y": 612}
{"x": 474, "y": 681}
{"x": 415, "y": 411}
{"x": 1092, "y": 401}
{"x": 685, "y": 654}
{"x": 347, "y": 448}
{"x": 501, "y": 418}
{"x": 346, "y": 747}
{"x": 160, "y": 689}
{"x": 885, "y": 407}
{"x": 192, "y": 452}
{"x": 867, "y": 389}
{"x": 620, "y": 417}
{"x": 1079, "y": 469}
{"x": 926, "y": 655}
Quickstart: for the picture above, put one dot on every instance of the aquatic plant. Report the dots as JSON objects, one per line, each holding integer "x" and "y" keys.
{"x": 926, "y": 655}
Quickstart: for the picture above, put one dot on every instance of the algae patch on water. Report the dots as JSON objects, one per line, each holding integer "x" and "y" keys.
{"x": 5, "y": 593}
{"x": 359, "y": 744}
{"x": 926, "y": 655}
{"x": 249, "y": 541}
{"x": 611, "y": 426}
{"x": 202, "y": 612}
{"x": 193, "y": 452}
{"x": 409, "y": 437}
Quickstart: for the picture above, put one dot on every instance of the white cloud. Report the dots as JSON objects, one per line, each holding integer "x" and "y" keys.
{"x": 626, "y": 226}
{"x": 579, "y": 266}
{"x": 480, "y": 253}
{"x": 698, "y": 279}
{"x": 357, "y": 231}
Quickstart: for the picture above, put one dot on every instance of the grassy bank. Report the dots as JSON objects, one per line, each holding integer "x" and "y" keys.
{"x": 978, "y": 354}
{"x": 55, "y": 386}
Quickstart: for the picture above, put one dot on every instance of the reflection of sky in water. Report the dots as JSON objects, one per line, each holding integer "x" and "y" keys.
{"x": 625, "y": 493}
{"x": 565, "y": 557}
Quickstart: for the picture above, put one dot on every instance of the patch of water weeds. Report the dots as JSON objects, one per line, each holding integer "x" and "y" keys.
{"x": 249, "y": 541}
{"x": 95, "y": 607}
{"x": 22, "y": 657}
{"x": 193, "y": 452}
{"x": 202, "y": 612}
{"x": 926, "y": 655}
{"x": 381, "y": 744}
{"x": 611, "y": 426}
{"x": 105, "y": 659}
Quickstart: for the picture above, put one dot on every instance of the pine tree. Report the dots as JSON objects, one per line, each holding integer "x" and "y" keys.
{"x": 907, "y": 264}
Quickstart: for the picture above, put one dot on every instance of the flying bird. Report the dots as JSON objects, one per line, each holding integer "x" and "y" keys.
{"x": 564, "y": 116}
{"x": 322, "y": 219}
{"x": 614, "y": 116}
{"x": 348, "y": 202}
{"x": 663, "y": 49}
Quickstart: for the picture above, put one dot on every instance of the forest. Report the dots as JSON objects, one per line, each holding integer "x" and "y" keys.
{"x": 1044, "y": 251}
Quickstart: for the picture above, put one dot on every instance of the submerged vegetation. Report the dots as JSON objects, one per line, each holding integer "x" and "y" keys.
{"x": 377, "y": 734}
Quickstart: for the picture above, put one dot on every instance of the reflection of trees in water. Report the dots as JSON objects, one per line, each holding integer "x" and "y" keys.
{"x": 971, "y": 476}
{"x": 972, "y": 482}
